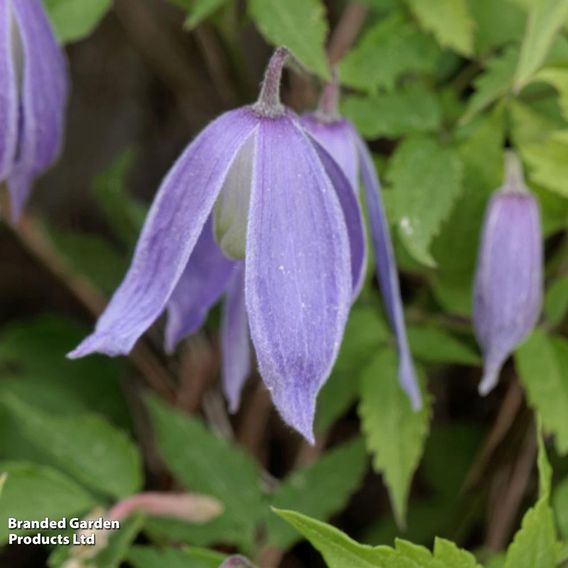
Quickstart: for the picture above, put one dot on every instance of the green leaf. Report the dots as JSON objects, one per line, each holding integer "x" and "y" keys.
{"x": 426, "y": 179}
{"x": 200, "y": 10}
{"x": 394, "y": 433}
{"x": 431, "y": 344}
{"x": 337, "y": 549}
{"x": 124, "y": 214}
{"x": 425, "y": 519}
{"x": 118, "y": 547}
{"x": 84, "y": 445}
{"x": 546, "y": 17}
{"x": 365, "y": 332}
{"x": 318, "y": 490}
{"x": 34, "y": 492}
{"x": 455, "y": 249}
{"x": 444, "y": 468}
{"x": 496, "y": 24}
{"x": 547, "y": 162}
{"x": 553, "y": 211}
{"x": 560, "y": 504}
{"x": 49, "y": 338}
{"x": 394, "y": 114}
{"x": 535, "y": 542}
{"x": 389, "y": 49}
{"x": 544, "y": 467}
{"x": 90, "y": 256}
{"x": 73, "y": 20}
{"x": 148, "y": 557}
{"x": 449, "y": 20}
{"x": 300, "y": 25}
{"x": 448, "y": 456}
{"x": 529, "y": 125}
{"x": 494, "y": 83}
{"x": 542, "y": 362}
{"x": 409, "y": 555}
{"x": 223, "y": 471}
{"x": 558, "y": 78}
{"x": 556, "y": 301}
{"x": 450, "y": 556}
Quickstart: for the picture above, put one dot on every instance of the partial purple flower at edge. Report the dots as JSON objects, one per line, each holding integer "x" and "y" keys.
{"x": 349, "y": 150}
{"x": 302, "y": 248}
{"x": 236, "y": 562}
{"x": 33, "y": 96}
{"x": 509, "y": 279}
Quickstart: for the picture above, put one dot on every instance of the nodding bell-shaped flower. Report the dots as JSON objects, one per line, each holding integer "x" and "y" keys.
{"x": 340, "y": 138}
{"x": 33, "y": 96}
{"x": 509, "y": 279}
{"x": 291, "y": 235}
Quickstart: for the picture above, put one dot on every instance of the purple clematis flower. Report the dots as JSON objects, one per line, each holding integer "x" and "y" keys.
{"x": 509, "y": 280}
{"x": 208, "y": 276}
{"x": 342, "y": 141}
{"x": 33, "y": 96}
{"x": 285, "y": 213}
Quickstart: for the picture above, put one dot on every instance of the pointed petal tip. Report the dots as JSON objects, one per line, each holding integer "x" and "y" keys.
{"x": 298, "y": 411}
{"x": 305, "y": 429}
{"x": 409, "y": 382}
{"x": 233, "y": 404}
{"x": 415, "y": 401}
{"x": 99, "y": 343}
{"x": 171, "y": 339}
{"x": 488, "y": 382}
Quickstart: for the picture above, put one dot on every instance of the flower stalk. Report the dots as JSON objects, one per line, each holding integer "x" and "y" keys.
{"x": 269, "y": 104}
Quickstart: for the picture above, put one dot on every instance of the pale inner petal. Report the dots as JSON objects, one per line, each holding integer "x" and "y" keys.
{"x": 18, "y": 62}
{"x": 232, "y": 207}
{"x": 17, "y": 51}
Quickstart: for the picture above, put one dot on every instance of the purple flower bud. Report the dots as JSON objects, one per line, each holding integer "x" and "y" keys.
{"x": 339, "y": 137}
{"x": 509, "y": 280}
{"x": 236, "y": 562}
{"x": 272, "y": 195}
{"x": 33, "y": 96}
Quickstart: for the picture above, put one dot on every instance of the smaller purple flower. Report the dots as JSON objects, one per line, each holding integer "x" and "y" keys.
{"x": 509, "y": 279}
{"x": 33, "y": 95}
{"x": 258, "y": 211}
{"x": 340, "y": 138}
{"x": 236, "y": 562}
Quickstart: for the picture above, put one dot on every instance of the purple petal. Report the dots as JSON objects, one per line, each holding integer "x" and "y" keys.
{"x": 236, "y": 562}
{"x": 200, "y": 287}
{"x": 353, "y": 217}
{"x": 170, "y": 233}
{"x": 8, "y": 93}
{"x": 43, "y": 98}
{"x": 335, "y": 137}
{"x": 298, "y": 277}
{"x": 386, "y": 270}
{"x": 508, "y": 282}
{"x": 235, "y": 340}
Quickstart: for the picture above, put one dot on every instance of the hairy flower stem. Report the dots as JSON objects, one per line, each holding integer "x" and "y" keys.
{"x": 328, "y": 107}
{"x": 514, "y": 174}
{"x": 268, "y": 103}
